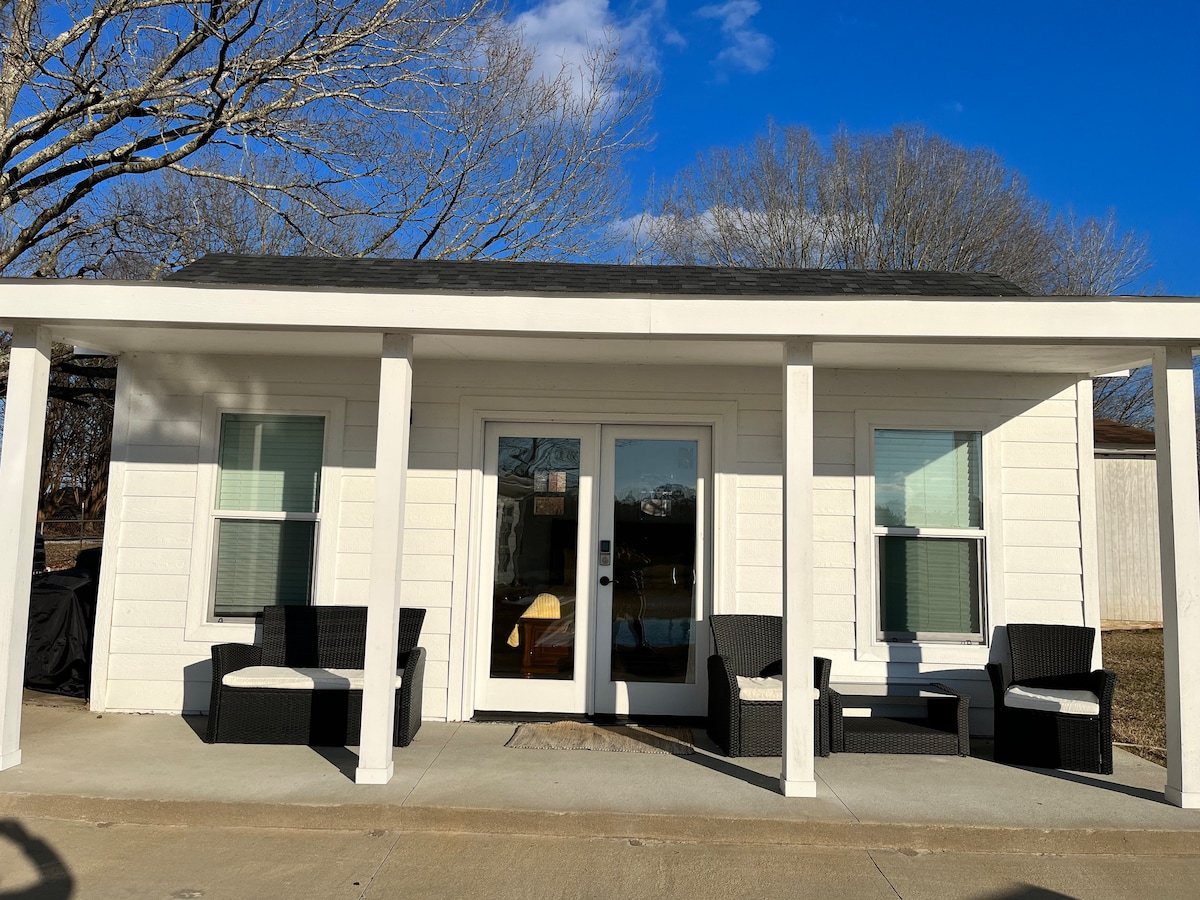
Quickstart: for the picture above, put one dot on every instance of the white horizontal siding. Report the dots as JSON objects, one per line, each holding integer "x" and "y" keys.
{"x": 1039, "y": 501}
{"x": 152, "y": 663}
{"x": 1038, "y": 497}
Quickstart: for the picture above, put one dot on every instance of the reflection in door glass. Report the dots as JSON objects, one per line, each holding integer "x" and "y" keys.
{"x": 654, "y": 561}
{"x": 537, "y": 532}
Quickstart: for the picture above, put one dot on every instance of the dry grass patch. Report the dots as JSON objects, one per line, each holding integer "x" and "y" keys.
{"x": 1139, "y": 708}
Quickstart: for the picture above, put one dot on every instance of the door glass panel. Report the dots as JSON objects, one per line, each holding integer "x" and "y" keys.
{"x": 537, "y": 535}
{"x": 654, "y": 561}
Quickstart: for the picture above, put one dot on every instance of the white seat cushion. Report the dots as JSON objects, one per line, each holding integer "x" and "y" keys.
{"x": 302, "y": 679}
{"x": 769, "y": 688}
{"x": 1055, "y": 700}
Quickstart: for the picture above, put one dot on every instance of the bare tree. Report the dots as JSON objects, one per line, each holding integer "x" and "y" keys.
{"x": 138, "y": 135}
{"x": 407, "y": 126}
{"x": 75, "y": 456}
{"x": 901, "y": 200}
{"x": 78, "y": 432}
{"x": 1094, "y": 257}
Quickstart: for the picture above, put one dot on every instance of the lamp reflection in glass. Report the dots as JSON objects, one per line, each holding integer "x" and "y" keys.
{"x": 544, "y": 606}
{"x": 544, "y": 637}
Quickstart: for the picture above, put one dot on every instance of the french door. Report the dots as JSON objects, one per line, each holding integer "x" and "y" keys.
{"x": 595, "y": 571}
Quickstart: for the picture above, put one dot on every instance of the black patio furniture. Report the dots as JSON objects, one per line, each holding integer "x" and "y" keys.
{"x": 905, "y": 718}
{"x": 751, "y": 646}
{"x": 1052, "y": 669}
{"x": 312, "y": 638}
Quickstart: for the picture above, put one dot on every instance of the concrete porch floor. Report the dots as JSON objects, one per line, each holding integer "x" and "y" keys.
{"x": 459, "y": 777}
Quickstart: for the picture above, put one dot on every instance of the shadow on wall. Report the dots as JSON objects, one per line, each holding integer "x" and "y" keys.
{"x": 54, "y": 881}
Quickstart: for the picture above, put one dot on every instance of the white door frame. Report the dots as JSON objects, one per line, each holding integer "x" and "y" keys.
{"x": 624, "y": 697}
{"x": 475, "y": 410}
{"x": 540, "y": 694}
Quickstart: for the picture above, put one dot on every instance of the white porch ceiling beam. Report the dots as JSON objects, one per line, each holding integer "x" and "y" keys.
{"x": 1179, "y": 537}
{"x": 798, "y": 778}
{"x": 375, "y": 764}
{"x": 20, "y": 477}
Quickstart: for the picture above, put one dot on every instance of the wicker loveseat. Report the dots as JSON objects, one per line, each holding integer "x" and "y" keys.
{"x": 303, "y": 685}
{"x": 1054, "y": 711}
{"x": 745, "y": 711}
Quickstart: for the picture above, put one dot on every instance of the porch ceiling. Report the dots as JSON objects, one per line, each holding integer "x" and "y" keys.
{"x": 928, "y": 355}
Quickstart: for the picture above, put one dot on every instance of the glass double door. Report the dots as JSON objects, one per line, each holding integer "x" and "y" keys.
{"x": 594, "y": 581}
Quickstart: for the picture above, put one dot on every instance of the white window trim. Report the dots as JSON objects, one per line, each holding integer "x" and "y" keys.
{"x": 868, "y": 644}
{"x": 200, "y": 626}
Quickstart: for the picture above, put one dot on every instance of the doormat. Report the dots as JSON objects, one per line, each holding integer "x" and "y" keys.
{"x": 606, "y": 738}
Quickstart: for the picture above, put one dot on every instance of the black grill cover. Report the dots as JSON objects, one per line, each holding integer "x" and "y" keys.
{"x": 62, "y": 619}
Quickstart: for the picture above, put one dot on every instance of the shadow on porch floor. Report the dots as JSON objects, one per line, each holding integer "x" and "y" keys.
{"x": 460, "y": 776}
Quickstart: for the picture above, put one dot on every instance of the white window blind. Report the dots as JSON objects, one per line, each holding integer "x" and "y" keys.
{"x": 270, "y": 463}
{"x": 928, "y": 479}
{"x": 929, "y": 585}
{"x": 270, "y": 467}
{"x": 262, "y": 563}
{"x": 929, "y": 527}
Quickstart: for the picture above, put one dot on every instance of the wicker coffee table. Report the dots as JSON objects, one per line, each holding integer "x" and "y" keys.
{"x": 937, "y": 723}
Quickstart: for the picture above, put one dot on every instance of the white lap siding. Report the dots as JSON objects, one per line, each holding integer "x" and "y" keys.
{"x": 154, "y": 666}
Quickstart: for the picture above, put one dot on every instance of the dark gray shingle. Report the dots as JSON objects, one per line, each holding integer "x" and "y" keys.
{"x": 507, "y": 277}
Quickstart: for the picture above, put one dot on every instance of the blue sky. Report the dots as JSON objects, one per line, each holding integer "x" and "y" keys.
{"x": 1097, "y": 104}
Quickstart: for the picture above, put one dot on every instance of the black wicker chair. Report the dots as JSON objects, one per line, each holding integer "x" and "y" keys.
{"x": 324, "y": 637}
{"x": 1053, "y": 658}
{"x": 752, "y": 646}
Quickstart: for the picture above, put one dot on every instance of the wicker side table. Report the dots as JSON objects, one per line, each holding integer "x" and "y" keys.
{"x": 937, "y": 725}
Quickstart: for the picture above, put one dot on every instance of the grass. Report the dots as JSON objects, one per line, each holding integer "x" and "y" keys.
{"x": 1139, "y": 708}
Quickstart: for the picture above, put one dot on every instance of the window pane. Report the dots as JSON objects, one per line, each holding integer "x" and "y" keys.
{"x": 537, "y": 540}
{"x": 929, "y": 585}
{"x": 270, "y": 463}
{"x": 928, "y": 479}
{"x": 263, "y": 564}
{"x": 654, "y": 561}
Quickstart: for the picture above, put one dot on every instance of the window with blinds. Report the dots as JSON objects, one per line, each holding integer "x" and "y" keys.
{"x": 929, "y": 534}
{"x": 267, "y": 511}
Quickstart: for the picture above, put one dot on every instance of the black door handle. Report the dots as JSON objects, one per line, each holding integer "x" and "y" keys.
{"x": 605, "y": 581}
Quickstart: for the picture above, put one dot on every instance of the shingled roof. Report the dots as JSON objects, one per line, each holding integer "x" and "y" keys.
{"x": 1106, "y": 432}
{"x": 506, "y": 277}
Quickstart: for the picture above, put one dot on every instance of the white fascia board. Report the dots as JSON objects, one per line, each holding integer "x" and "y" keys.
{"x": 970, "y": 319}
{"x": 184, "y": 305}
{"x": 1125, "y": 320}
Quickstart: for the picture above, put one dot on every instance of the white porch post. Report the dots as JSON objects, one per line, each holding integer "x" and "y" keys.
{"x": 798, "y": 778}
{"x": 20, "y": 469}
{"x": 383, "y": 621}
{"x": 1179, "y": 538}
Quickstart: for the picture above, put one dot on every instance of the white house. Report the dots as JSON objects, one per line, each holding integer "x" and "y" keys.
{"x": 900, "y": 463}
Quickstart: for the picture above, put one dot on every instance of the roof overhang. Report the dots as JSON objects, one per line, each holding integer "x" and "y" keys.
{"x": 1011, "y": 334}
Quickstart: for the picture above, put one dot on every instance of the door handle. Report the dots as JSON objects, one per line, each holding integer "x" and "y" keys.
{"x": 605, "y": 581}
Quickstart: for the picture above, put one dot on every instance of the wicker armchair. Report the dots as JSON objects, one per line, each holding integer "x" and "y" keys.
{"x": 1054, "y": 711}
{"x": 313, "y": 638}
{"x": 752, "y": 647}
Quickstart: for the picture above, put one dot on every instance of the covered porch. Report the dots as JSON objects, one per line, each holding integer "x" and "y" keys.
{"x": 460, "y": 777}
{"x": 799, "y": 341}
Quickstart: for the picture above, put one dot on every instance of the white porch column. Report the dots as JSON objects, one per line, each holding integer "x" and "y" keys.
{"x": 1179, "y": 539}
{"x": 387, "y": 554}
{"x": 798, "y": 778}
{"x": 20, "y": 470}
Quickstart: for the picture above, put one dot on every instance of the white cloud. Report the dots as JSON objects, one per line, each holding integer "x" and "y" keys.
{"x": 747, "y": 47}
{"x": 564, "y": 30}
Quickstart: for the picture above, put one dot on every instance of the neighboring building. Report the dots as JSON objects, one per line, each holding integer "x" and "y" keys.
{"x": 1127, "y": 523}
{"x": 571, "y": 467}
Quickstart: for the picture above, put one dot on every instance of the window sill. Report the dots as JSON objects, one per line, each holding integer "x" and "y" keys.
{"x": 222, "y": 632}
{"x": 931, "y": 652}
